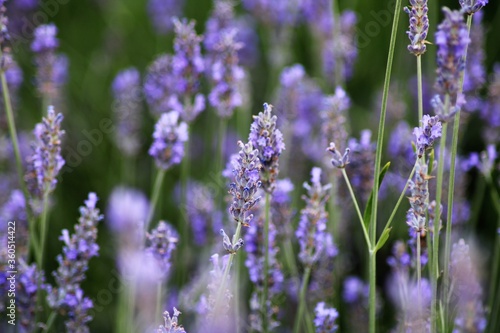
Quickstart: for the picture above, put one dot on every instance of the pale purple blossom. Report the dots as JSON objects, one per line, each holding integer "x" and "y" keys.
{"x": 325, "y": 318}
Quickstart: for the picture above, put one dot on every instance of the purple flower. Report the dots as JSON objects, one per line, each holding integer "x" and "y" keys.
{"x": 161, "y": 243}
{"x": 127, "y": 110}
{"x": 399, "y": 146}
{"x": 419, "y": 26}
{"x": 333, "y": 116}
{"x": 78, "y": 249}
{"x": 187, "y": 69}
{"x": 226, "y": 75}
{"x": 171, "y": 323}
{"x": 274, "y": 13}
{"x": 419, "y": 199}
{"x": 281, "y": 194}
{"x": 15, "y": 208}
{"x": 451, "y": 39}
{"x": 319, "y": 14}
{"x": 472, "y": 6}
{"x": 127, "y": 209}
{"x": 427, "y": 133}
{"x": 222, "y": 18}
{"x": 314, "y": 239}
{"x": 362, "y": 157}
{"x": 162, "y": 12}
{"x": 26, "y": 295}
{"x": 338, "y": 160}
{"x": 45, "y": 39}
{"x": 325, "y": 318}
{"x": 169, "y": 137}
{"x": 159, "y": 85}
{"x": 46, "y": 161}
{"x": 355, "y": 290}
{"x": 246, "y": 183}
{"x": 268, "y": 140}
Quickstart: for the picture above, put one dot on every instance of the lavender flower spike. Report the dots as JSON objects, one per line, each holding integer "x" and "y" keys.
{"x": 226, "y": 75}
{"x": 338, "y": 160}
{"x": 427, "y": 133}
{"x": 451, "y": 39}
{"x": 169, "y": 137}
{"x": 162, "y": 241}
{"x": 79, "y": 248}
{"x": 419, "y": 26}
{"x": 419, "y": 199}
{"x": 246, "y": 183}
{"x": 325, "y": 319}
{"x": 46, "y": 161}
{"x": 265, "y": 137}
{"x": 171, "y": 323}
{"x": 472, "y": 6}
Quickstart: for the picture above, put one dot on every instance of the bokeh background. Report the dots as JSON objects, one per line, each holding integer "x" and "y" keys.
{"x": 102, "y": 37}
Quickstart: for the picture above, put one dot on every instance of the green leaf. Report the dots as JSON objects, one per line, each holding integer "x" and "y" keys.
{"x": 383, "y": 238}
{"x": 431, "y": 161}
{"x": 368, "y": 210}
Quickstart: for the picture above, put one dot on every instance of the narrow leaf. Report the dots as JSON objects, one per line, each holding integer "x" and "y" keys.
{"x": 383, "y": 238}
{"x": 368, "y": 210}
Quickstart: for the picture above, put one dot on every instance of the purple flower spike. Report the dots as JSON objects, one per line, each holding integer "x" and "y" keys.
{"x": 226, "y": 75}
{"x": 162, "y": 12}
{"x": 79, "y": 248}
{"x": 127, "y": 110}
{"x": 45, "y": 39}
{"x": 162, "y": 241}
{"x": 427, "y": 133}
{"x": 314, "y": 240}
{"x": 419, "y": 26}
{"x": 325, "y": 318}
{"x": 169, "y": 137}
{"x": 451, "y": 39}
{"x": 268, "y": 140}
{"x": 46, "y": 161}
{"x": 159, "y": 85}
{"x": 472, "y": 6}
{"x": 171, "y": 323}
{"x": 246, "y": 183}
{"x": 338, "y": 160}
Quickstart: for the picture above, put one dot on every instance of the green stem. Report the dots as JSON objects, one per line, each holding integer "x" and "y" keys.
{"x": 372, "y": 271}
{"x": 451, "y": 183}
{"x": 333, "y": 210}
{"x": 378, "y": 159}
{"x": 419, "y": 85}
{"x": 159, "y": 298}
{"x": 43, "y": 223}
{"x": 302, "y": 300}
{"x": 358, "y": 211}
{"x": 154, "y": 197}
{"x": 419, "y": 268}
{"x": 237, "y": 308}
{"x": 289, "y": 257}
{"x": 50, "y": 321}
{"x": 131, "y": 308}
{"x": 437, "y": 219}
{"x": 266, "y": 262}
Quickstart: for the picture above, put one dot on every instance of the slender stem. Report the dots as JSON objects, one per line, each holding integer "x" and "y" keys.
{"x": 437, "y": 221}
{"x": 131, "y": 307}
{"x": 266, "y": 262}
{"x": 43, "y": 223}
{"x": 419, "y": 267}
{"x": 159, "y": 298}
{"x": 378, "y": 159}
{"x": 358, "y": 211}
{"x": 302, "y": 300}
{"x": 333, "y": 210}
{"x": 372, "y": 271}
{"x": 451, "y": 182}
{"x": 289, "y": 257}
{"x": 154, "y": 197}
{"x": 401, "y": 196}
{"x": 237, "y": 307}
{"x": 419, "y": 85}
{"x": 50, "y": 321}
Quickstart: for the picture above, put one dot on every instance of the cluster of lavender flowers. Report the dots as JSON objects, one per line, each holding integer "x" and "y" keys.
{"x": 325, "y": 318}
{"x": 419, "y": 26}
{"x": 426, "y": 134}
{"x": 162, "y": 12}
{"x": 67, "y": 297}
{"x": 162, "y": 241}
{"x": 171, "y": 323}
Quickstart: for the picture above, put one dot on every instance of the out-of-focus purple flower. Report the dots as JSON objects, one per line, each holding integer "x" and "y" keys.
{"x": 127, "y": 110}
{"x": 159, "y": 85}
{"x": 216, "y": 315}
{"x": 127, "y": 209}
{"x": 162, "y": 12}
{"x": 169, "y": 137}
{"x": 362, "y": 157}
{"x": 171, "y": 323}
{"x": 416, "y": 216}
{"x": 79, "y": 248}
{"x": 52, "y": 68}
{"x": 247, "y": 36}
{"x": 452, "y": 39}
{"x": 246, "y": 183}
{"x": 221, "y": 18}
{"x": 355, "y": 290}
{"x": 15, "y": 208}
{"x": 471, "y": 316}
{"x": 399, "y": 146}
{"x": 46, "y": 161}
{"x": 162, "y": 241}
{"x": 281, "y": 209}
{"x": 225, "y": 75}
{"x": 314, "y": 240}
{"x": 491, "y": 112}
{"x": 187, "y": 67}
{"x": 472, "y": 6}
{"x": 426, "y": 134}
{"x": 274, "y": 13}
{"x": 268, "y": 140}
{"x": 319, "y": 14}
{"x": 282, "y": 191}
{"x": 419, "y": 26}
{"x": 333, "y": 117}
{"x": 324, "y": 321}
{"x": 28, "y": 279}
{"x": 475, "y": 72}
